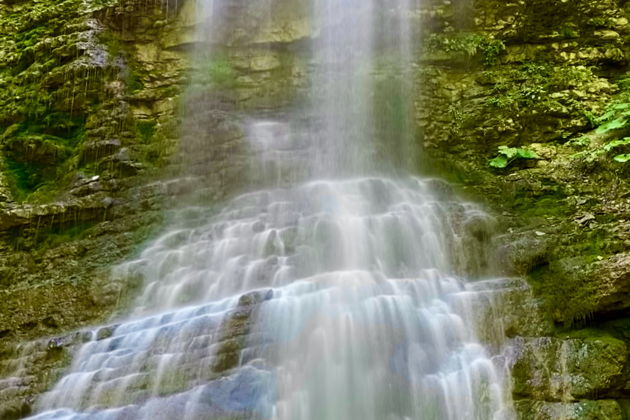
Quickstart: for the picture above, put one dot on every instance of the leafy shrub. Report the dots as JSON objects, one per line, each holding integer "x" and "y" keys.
{"x": 530, "y": 86}
{"x": 569, "y": 32}
{"x": 617, "y": 115}
{"x": 623, "y": 157}
{"x": 615, "y": 119}
{"x": 507, "y": 155}
{"x": 468, "y": 45}
{"x": 611, "y": 146}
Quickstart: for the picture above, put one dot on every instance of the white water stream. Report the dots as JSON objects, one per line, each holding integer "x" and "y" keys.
{"x": 335, "y": 297}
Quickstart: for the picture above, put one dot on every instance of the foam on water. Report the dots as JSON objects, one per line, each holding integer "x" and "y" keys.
{"x": 362, "y": 314}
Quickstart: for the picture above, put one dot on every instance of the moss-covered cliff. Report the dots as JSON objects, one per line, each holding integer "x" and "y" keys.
{"x": 545, "y": 80}
{"x": 88, "y": 93}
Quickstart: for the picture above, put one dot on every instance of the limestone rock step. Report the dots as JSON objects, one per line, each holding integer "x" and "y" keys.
{"x": 568, "y": 369}
{"x": 581, "y": 410}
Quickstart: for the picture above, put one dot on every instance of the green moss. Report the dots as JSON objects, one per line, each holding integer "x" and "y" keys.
{"x": 146, "y": 130}
{"x": 468, "y": 46}
{"x": 567, "y": 297}
{"x": 529, "y": 86}
{"x": 36, "y": 159}
{"x": 567, "y": 283}
{"x": 120, "y": 51}
{"x": 133, "y": 82}
{"x": 597, "y": 243}
{"x": 49, "y": 88}
{"x": 60, "y": 235}
{"x": 569, "y": 31}
{"x": 67, "y": 129}
{"x": 23, "y": 178}
{"x": 600, "y": 22}
{"x": 547, "y": 206}
{"x": 44, "y": 237}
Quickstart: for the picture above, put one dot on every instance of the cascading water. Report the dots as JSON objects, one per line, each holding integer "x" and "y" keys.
{"x": 336, "y": 296}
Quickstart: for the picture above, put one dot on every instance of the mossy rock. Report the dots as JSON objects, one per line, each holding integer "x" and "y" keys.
{"x": 556, "y": 369}
{"x": 583, "y": 286}
{"x": 582, "y": 410}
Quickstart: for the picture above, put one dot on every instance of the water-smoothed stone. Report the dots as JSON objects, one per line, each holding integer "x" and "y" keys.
{"x": 106, "y": 332}
{"x": 30, "y": 367}
{"x": 521, "y": 312}
{"x": 264, "y": 61}
{"x": 249, "y": 390}
{"x": 520, "y": 254}
{"x": 599, "y": 288}
{"x": 235, "y": 328}
{"x": 99, "y": 149}
{"x": 84, "y": 186}
{"x": 582, "y": 410}
{"x": 36, "y": 149}
{"x": 548, "y": 368}
{"x": 608, "y": 35}
{"x": 72, "y": 210}
{"x": 612, "y": 279}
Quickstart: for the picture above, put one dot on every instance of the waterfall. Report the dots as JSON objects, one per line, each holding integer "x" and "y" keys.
{"x": 363, "y": 85}
{"x": 336, "y": 293}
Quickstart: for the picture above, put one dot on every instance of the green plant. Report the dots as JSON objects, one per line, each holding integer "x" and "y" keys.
{"x": 458, "y": 118}
{"x": 616, "y": 143}
{"x": 534, "y": 89}
{"x": 617, "y": 115}
{"x": 581, "y": 141}
{"x": 623, "y": 157}
{"x": 146, "y": 130}
{"x": 570, "y": 77}
{"x": 468, "y": 45}
{"x": 523, "y": 87}
{"x": 591, "y": 155}
{"x": 507, "y": 155}
{"x": 616, "y": 124}
{"x": 568, "y": 32}
{"x": 599, "y": 22}
{"x": 591, "y": 118}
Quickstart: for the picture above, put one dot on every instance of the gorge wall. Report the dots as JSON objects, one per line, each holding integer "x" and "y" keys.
{"x": 547, "y": 77}
{"x": 89, "y": 122}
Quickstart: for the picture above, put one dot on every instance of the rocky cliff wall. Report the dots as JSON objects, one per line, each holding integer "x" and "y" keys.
{"x": 547, "y": 81}
{"x": 88, "y": 99}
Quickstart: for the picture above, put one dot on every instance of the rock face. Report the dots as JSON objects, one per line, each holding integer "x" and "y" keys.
{"x": 592, "y": 410}
{"x": 566, "y": 370}
{"x": 547, "y": 77}
{"x": 83, "y": 113}
{"x": 85, "y": 122}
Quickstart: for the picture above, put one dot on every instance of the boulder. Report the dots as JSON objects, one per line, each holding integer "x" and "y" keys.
{"x": 582, "y": 410}
{"x": 554, "y": 369}
{"x": 613, "y": 279}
